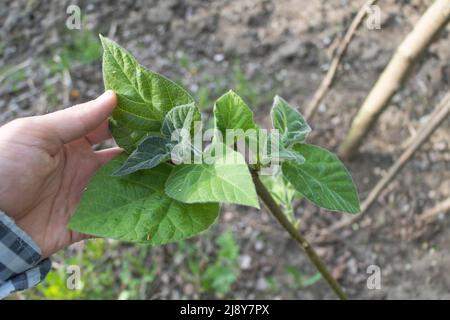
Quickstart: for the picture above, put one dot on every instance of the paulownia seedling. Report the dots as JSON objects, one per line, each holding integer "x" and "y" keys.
{"x": 151, "y": 195}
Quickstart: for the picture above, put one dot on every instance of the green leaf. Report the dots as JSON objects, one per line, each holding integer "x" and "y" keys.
{"x": 291, "y": 124}
{"x": 179, "y": 118}
{"x": 277, "y": 151}
{"x": 290, "y": 155}
{"x": 222, "y": 177}
{"x": 231, "y": 112}
{"x": 322, "y": 179}
{"x": 135, "y": 208}
{"x": 144, "y": 97}
{"x": 155, "y": 149}
{"x": 179, "y": 126}
{"x": 150, "y": 153}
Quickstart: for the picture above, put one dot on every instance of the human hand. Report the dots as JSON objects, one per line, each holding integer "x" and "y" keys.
{"x": 45, "y": 164}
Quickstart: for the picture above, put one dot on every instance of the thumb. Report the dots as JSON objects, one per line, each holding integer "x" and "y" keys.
{"x": 76, "y": 122}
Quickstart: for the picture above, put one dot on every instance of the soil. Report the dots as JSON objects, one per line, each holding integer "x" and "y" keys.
{"x": 282, "y": 46}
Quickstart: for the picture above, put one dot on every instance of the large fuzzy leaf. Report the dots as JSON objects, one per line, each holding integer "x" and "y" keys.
{"x": 322, "y": 179}
{"x": 222, "y": 177}
{"x": 144, "y": 97}
{"x": 135, "y": 208}
{"x": 231, "y": 112}
{"x": 291, "y": 124}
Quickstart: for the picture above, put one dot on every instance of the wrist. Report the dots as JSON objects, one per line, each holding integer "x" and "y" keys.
{"x": 32, "y": 231}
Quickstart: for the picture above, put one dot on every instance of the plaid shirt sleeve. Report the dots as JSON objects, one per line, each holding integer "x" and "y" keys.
{"x": 21, "y": 266}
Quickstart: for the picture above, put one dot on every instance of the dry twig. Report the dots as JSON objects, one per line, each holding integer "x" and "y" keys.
{"x": 441, "y": 112}
{"x": 340, "y": 51}
{"x": 431, "y": 214}
{"x": 429, "y": 25}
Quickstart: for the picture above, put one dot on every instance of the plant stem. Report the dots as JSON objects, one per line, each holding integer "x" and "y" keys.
{"x": 276, "y": 211}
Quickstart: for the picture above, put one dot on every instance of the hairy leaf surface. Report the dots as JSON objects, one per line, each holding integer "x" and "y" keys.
{"x": 277, "y": 151}
{"x": 179, "y": 118}
{"x": 150, "y": 153}
{"x": 291, "y": 124}
{"x": 231, "y": 112}
{"x": 322, "y": 179}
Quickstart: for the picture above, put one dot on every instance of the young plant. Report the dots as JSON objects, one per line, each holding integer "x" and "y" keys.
{"x": 152, "y": 195}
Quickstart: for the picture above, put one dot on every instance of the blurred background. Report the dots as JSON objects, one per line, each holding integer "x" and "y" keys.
{"x": 257, "y": 48}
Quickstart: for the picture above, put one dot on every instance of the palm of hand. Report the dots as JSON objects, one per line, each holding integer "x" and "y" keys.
{"x": 45, "y": 166}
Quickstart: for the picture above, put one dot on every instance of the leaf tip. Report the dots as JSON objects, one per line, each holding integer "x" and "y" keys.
{"x": 226, "y": 94}
{"x": 106, "y": 41}
{"x": 102, "y": 38}
{"x": 278, "y": 99}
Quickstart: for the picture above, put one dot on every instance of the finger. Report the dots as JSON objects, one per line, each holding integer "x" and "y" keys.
{"x": 78, "y": 121}
{"x": 100, "y": 134}
{"x": 105, "y": 155}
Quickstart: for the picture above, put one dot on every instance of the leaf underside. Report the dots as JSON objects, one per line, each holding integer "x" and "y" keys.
{"x": 291, "y": 124}
{"x": 179, "y": 118}
{"x": 150, "y": 153}
{"x": 154, "y": 150}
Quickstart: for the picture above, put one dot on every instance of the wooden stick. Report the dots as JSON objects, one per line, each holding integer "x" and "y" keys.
{"x": 432, "y": 213}
{"x": 340, "y": 51}
{"x": 429, "y": 25}
{"x": 441, "y": 112}
{"x": 16, "y": 68}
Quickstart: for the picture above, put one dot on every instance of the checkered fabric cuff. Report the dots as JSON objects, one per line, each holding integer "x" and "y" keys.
{"x": 21, "y": 266}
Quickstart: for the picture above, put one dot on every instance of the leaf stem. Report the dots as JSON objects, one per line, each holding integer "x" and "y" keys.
{"x": 279, "y": 215}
